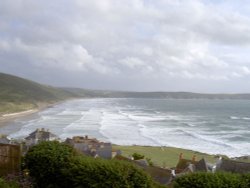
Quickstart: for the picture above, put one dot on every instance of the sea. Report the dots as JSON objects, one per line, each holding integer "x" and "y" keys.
{"x": 205, "y": 125}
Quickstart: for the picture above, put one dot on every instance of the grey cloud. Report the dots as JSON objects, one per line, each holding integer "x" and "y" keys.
{"x": 124, "y": 43}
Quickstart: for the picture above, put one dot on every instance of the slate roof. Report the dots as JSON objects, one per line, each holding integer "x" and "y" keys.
{"x": 191, "y": 165}
{"x": 201, "y": 166}
{"x": 183, "y": 164}
{"x": 4, "y": 139}
{"x": 40, "y": 135}
{"x": 234, "y": 166}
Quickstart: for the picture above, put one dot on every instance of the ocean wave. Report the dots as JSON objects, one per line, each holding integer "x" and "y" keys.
{"x": 190, "y": 124}
{"x": 152, "y": 117}
{"x": 145, "y": 124}
{"x": 202, "y": 137}
{"x": 239, "y": 118}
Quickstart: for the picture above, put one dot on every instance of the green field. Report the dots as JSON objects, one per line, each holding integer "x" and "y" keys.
{"x": 164, "y": 156}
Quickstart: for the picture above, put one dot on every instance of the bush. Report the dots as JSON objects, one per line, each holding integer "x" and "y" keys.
{"x": 45, "y": 161}
{"x": 246, "y": 179}
{"x": 137, "y": 156}
{"x": 4, "y": 184}
{"x": 209, "y": 180}
{"x": 19, "y": 180}
{"x": 55, "y": 165}
{"x": 90, "y": 172}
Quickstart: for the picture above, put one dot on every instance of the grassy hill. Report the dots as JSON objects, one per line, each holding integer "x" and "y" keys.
{"x": 18, "y": 94}
{"x": 163, "y": 156}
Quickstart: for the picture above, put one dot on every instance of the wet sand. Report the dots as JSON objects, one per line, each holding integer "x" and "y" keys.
{"x": 6, "y": 119}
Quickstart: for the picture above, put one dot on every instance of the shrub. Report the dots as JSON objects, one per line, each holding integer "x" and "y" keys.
{"x": 246, "y": 179}
{"x": 45, "y": 160}
{"x": 89, "y": 172}
{"x": 55, "y": 165}
{"x": 19, "y": 180}
{"x": 209, "y": 180}
{"x": 5, "y": 184}
{"x": 137, "y": 156}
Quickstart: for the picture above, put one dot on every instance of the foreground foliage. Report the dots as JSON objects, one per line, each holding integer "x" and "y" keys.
{"x": 5, "y": 184}
{"x": 209, "y": 180}
{"x": 16, "y": 180}
{"x": 53, "y": 164}
{"x": 89, "y": 172}
{"x": 45, "y": 161}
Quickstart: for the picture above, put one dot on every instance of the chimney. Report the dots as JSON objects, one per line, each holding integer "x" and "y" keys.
{"x": 173, "y": 173}
{"x": 181, "y": 156}
{"x": 194, "y": 158}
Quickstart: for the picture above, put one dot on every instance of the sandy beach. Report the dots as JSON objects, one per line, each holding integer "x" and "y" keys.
{"x": 7, "y": 118}
{"x": 4, "y": 119}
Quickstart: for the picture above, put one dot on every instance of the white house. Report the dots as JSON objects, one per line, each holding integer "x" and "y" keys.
{"x": 40, "y": 135}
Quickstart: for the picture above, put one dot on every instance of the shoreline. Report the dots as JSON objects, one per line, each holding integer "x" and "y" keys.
{"x": 7, "y": 118}
{"x": 10, "y": 117}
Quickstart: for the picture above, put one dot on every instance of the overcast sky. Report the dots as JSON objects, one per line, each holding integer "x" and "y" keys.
{"x": 138, "y": 45}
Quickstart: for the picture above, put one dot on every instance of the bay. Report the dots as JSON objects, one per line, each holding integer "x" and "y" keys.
{"x": 205, "y": 125}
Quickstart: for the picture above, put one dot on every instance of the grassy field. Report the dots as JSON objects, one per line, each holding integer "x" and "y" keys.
{"x": 163, "y": 156}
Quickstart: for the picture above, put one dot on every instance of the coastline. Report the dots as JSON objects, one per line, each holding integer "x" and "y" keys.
{"x": 9, "y": 117}
{"x": 8, "y": 120}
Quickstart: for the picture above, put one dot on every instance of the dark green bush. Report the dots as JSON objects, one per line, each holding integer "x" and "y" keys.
{"x": 137, "y": 156}
{"x": 55, "y": 165}
{"x": 209, "y": 180}
{"x": 45, "y": 161}
{"x": 246, "y": 179}
{"x": 90, "y": 172}
{"x": 5, "y": 184}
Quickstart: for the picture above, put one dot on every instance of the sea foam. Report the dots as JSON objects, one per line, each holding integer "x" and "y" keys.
{"x": 149, "y": 122}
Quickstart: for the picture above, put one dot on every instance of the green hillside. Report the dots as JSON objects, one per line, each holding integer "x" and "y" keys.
{"x": 18, "y": 94}
{"x": 163, "y": 156}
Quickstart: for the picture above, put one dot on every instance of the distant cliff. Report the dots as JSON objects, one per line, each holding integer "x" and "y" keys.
{"x": 19, "y": 94}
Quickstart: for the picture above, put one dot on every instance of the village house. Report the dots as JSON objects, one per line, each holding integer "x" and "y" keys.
{"x": 191, "y": 165}
{"x": 39, "y": 135}
{"x": 232, "y": 166}
{"x": 226, "y": 165}
{"x": 161, "y": 175}
{"x": 91, "y": 146}
{"x": 4, "y": 139}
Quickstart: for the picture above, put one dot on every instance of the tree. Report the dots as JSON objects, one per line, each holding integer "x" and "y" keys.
{"x": 90, "y": 172}
{"x": 45, "y": 160}
{"x": 216, "y": 180}
{"x": 6, "y": 184}
{"x": 54, "y": 165}
{"x": 137, "y": 156}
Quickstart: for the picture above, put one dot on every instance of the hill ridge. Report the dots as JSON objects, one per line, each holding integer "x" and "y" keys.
{"x": 20, "y": 94}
